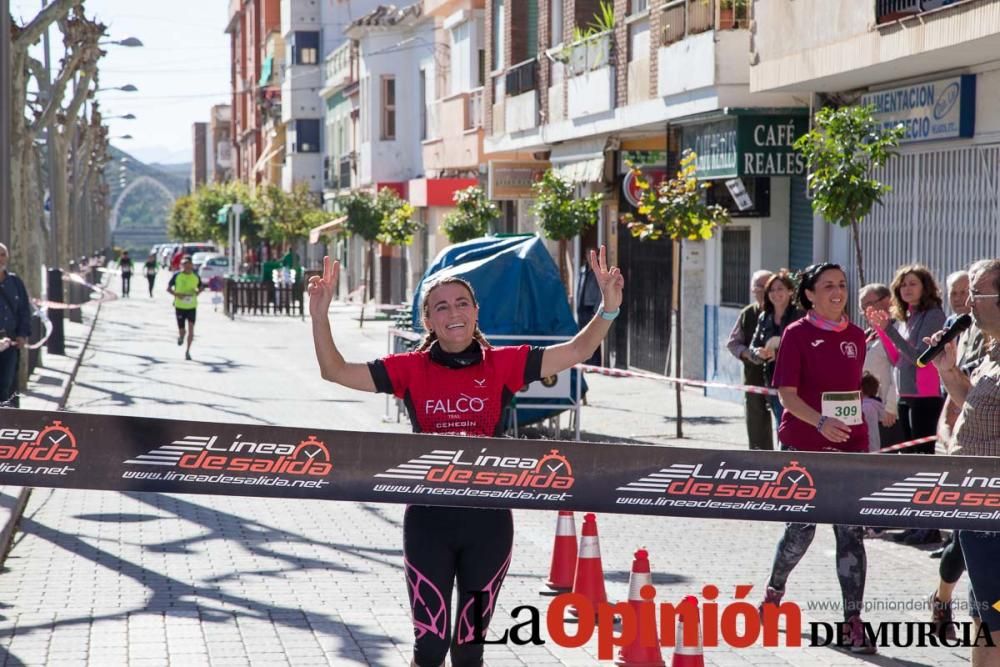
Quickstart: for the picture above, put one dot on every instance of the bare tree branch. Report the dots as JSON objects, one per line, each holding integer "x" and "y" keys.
{"x": 52, "y": 13}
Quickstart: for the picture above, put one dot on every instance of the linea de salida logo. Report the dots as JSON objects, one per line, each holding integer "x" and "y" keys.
{"x": 457, "y": 466}
{"x": 53, "y": 444}
{"x": 310, "y": 457}
{"x": 941, "y": 490}
{"x": 723, "y": 486}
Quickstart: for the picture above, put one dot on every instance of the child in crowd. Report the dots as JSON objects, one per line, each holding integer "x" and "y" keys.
{"x": 872, "y": 410}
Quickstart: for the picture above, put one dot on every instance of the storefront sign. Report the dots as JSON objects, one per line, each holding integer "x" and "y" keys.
{"x": 715, "y": 145}
{"x": 748, "y": 145}
{"x": 764, "y": 144}
{"x": 630, "y": 187}
{"x": 513, "y": 180}
{"x": 929, "y": 111}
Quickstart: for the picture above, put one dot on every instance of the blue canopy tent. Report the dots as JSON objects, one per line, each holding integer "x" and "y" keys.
{"x": 520, "y": 294}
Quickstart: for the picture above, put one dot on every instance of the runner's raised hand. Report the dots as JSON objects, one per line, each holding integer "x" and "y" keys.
{"x": 611, "y": 281}
{"x": 321, "y": 288}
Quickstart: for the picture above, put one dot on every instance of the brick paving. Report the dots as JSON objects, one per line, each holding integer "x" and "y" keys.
{"x": 102, "y": 578}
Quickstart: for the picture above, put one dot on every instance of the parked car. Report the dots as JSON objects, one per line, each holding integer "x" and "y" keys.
{"x": 214, "y": 269}
{"x": 166, "y": 254}
{"x": 189, "y": 249}
{"x": 199, "y": 259}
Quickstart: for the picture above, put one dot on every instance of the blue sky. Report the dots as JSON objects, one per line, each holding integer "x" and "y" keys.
{"x": 182, "y": 70}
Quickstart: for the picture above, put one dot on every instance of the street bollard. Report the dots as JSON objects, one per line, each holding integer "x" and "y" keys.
{"x": 54, "y": 292}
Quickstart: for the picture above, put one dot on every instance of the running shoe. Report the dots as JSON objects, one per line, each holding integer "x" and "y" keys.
{"x": 771, "y": 596}
{"x": 180, "y": 339}
{"x": 941, "y": 618}
{"x": 855, "y": 638}
{"x": 187, "y": 355}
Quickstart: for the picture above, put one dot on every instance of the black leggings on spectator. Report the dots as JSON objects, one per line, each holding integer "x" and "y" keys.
{"x": 919, "y": 416}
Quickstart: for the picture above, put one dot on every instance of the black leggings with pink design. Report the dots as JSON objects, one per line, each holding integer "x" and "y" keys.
{"x": 442, "y": 545}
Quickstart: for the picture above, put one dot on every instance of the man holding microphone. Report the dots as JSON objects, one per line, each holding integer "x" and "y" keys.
{"x": 977, "y": 433}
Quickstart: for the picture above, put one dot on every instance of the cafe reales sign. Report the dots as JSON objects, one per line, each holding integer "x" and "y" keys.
{"x": 748, "y": 144}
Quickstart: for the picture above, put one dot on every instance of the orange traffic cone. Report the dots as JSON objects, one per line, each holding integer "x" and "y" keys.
{"x": 638, "y": 653}
{"x": 563, "y": 557}
{"x": 589, "y": 580}
{"x": 687, "y": 656}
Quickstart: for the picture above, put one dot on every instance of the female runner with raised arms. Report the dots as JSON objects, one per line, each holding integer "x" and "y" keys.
{"x": 456, "y": 382}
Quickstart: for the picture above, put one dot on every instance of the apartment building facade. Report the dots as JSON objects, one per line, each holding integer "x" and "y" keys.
{"x": 199, "y": 155}
{"x": 928, "y": 64}
{"x": 219, "y": 148}
{"x": 586, "y": 88}
{"x": 250, "y": 22}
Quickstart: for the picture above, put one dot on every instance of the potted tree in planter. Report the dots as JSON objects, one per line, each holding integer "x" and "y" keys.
{"x": 562, "y": 215}
{"x": 473, "y": 216}
{"x": 676, "y": 209}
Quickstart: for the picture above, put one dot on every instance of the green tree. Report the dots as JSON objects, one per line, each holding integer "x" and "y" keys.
{"x": 562, "y": 215}
{"x": 473, "y": 215}
{"x": 676, "y": 209}
{"x": 844, "y": 149}
{"x": 286, "y": 217}
{"x": 183, "y": 221}
{"x": 364, "y": 219}
{"x": 398, "y": 225}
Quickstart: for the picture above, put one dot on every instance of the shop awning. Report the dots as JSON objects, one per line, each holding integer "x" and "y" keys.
{"x": 579, "y": 161}
{"x": 583, "y": 171}
{"x": 265, "y": 71}
{"x": 326, "y": 228}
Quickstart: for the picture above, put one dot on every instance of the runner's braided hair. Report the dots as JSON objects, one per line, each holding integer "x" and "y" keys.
{"x": 425, "y": 309}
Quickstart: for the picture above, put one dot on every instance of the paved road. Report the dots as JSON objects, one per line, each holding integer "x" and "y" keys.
{"x": 101, "y": 578}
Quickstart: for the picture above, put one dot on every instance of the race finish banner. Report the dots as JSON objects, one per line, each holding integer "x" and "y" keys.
{"x": 88, "y": 451}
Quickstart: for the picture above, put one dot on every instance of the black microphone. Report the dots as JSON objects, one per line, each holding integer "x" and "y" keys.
{"x": 950, "y": 334}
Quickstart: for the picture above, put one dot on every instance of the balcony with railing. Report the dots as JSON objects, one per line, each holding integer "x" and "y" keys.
{"x": 703, "y": 43}
{"x": 520, "y": 84}
{"x": 892, "y": 10}
{"x": 338, "y": 68}
{"x": 455, "y": 136}
{"x": 587, "y": 68}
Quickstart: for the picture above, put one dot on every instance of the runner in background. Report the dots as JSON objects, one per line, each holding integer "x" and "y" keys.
{"x": 185, "y": 286}
{"x": 456, "y": 382}
{"x": 125, "y": 266}
{"x": 818, "y": 375}
{"x": 758, "y": 419}
{"x": 150, "y": 270}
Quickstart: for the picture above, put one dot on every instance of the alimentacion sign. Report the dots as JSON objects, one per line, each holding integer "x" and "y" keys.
{"x": 929, "y": 111}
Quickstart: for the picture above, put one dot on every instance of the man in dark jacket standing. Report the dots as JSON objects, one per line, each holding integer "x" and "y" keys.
{"x": 15, "y": 327}
{"x": 758, "y": 416}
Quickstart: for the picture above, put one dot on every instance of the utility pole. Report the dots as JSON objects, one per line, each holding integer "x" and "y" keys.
{"x": 6, "y": 118}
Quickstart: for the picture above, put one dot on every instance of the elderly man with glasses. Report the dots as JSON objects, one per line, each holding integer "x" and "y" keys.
{"x": 758, "y": 414}
{"x": 977, "y": 433}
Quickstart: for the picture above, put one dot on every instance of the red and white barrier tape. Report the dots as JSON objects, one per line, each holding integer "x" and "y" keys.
{"x": 908, "y": 443}
{"x": 54, "y": 305}
{"x": 614, "y": 372}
